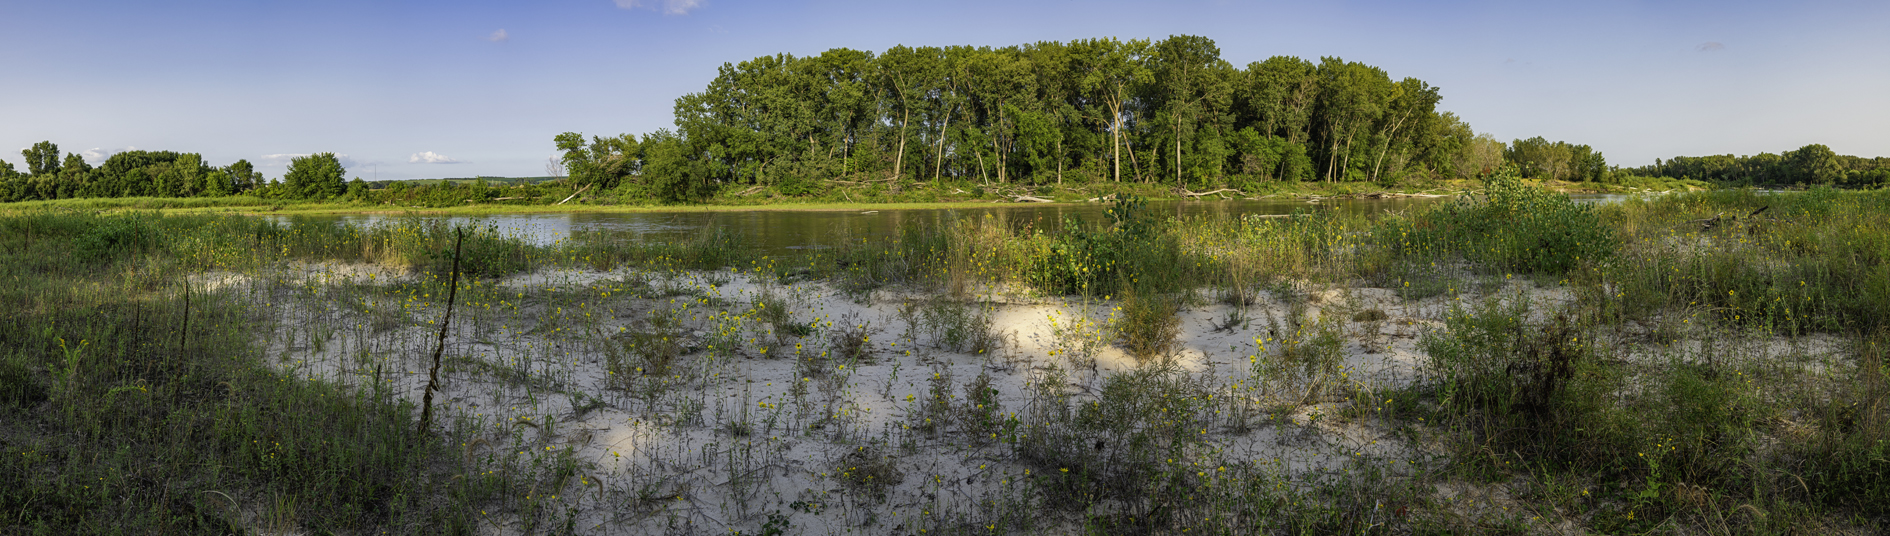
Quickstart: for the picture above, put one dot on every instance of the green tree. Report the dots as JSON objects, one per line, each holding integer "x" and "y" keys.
{"x": 11, "y": 186}
{"x": 243, "y": 176}
{"x": 1191, "y": 97}
{"x": 1816, "y": 164}
{"x": 1107, "y": 71}
{"x": 604, "y": 164}
{"x": 42, "y": 158}
{"x": 316, "y": 176}
{"x": 74, "y": 177}
{"x": 1353, "y": 96}
{"x": 674, "y": 170}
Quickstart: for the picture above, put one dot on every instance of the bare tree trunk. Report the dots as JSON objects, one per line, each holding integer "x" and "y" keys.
{"x": 940, "y": 163}
{"x": 1377, "y": 162}
{"x": 899, "y": 159}
{"x": 1059, "y": 161}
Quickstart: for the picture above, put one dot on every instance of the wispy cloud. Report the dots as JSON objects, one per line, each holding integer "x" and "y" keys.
{"x": 499, "y": 36}
{"x": 278, "y": 159}
{"x": 431, "y": 157}
{"x": 1711, "y": 46}
{"x": 282, "y": 159}
{"x": 668, "y": 7}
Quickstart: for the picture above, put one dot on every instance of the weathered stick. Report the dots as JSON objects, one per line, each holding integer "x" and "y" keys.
{"x": 433, "y": 376}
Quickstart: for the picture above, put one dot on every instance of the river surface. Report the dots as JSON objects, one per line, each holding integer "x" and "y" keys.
{"x": 779, "y": 231}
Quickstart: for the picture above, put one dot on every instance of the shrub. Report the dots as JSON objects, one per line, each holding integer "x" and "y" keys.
{"x": 111, "y": 237}
{"x": 1148, "y": 325}
{"x": 1513, "y": 226}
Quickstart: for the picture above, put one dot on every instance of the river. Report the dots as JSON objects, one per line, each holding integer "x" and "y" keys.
{"x": 774, "y": 230}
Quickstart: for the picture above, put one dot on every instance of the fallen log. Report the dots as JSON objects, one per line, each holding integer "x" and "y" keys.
{"x": 1030, "y": 199}
{"x": 1184, "y": 191}
{"x": 573, "y": 195}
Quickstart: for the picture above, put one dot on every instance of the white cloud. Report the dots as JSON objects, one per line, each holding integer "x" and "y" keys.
{"x": 98, "y": 155}
{"x": 668, "y": 7}
{"x": 499, "y": 36}
{"x": 430, "y": 157}
{"x": 1711, "y": 46}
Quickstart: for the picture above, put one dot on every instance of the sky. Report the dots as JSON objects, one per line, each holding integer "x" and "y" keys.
{"x": 419, "y": 89}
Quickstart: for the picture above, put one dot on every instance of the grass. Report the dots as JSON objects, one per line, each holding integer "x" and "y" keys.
{"x": 138, "y": 404}
{"x": 1706, "y": 362}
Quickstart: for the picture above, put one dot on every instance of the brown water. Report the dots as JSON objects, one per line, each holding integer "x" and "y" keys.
{"x": 785, "y": 231}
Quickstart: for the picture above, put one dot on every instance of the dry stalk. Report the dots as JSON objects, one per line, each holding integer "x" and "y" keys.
{"x": 433, "y": 375}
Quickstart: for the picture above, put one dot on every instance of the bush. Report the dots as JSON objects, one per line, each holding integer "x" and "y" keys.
{"x": 1514, "y": 227}
{"x": 1128, "y": 253}
{"x": 114, "y": 236}
{"x": 1532, "y": 389}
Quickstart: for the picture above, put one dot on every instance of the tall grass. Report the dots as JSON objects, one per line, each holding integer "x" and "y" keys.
{"x": 137, "y": 404}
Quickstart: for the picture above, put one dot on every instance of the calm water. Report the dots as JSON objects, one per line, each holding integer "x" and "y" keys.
{"x": 787, "y": 231}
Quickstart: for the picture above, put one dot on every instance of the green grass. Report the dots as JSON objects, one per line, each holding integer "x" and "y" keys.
{"x": 137, "y": 405}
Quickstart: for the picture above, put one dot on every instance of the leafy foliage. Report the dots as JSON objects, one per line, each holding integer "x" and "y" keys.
{"x": 1512, "y": 226}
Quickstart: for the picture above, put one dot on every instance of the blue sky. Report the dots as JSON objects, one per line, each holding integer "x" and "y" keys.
{"x": 411, "y": 89}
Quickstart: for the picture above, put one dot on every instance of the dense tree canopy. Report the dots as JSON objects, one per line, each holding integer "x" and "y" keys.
{"x": 316, "y": 176}
{"x": 1169, "y": 111}
{"x": 136, "y": 173}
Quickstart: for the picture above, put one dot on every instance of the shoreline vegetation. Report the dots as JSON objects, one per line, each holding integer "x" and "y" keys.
{"x": 1505, "y": 362}
{"x": 960, "y": 198}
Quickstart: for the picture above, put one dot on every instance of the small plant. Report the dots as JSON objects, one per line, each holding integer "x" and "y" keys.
{"x": 1148, "y": 325}
{"x": 960, "y": 326}
{"x": 868, "y": 471}
{"x": 852, "y": 340}
{"x": 981, "y": 415}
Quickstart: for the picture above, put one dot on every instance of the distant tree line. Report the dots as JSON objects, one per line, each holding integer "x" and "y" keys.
{"x": 1811, "y": 165}
{"x": 48, "y": 175}
{"x": 1097, "y": 110}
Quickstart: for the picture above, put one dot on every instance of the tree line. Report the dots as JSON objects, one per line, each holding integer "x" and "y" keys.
{"x": 1170, "y": 113}
{"x": 1814, "y": 164}
{"x": 48, "y": 175}
{"x": 1050, "y": 113}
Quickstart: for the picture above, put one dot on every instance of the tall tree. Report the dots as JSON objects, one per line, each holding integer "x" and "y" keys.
{"x": 1816, "y": 164}
{"x": 243, "y": 176}
{"x": 1107, "y": 71}
{"x": 42, "y": 158}
{"x": 1191, "y": 93}
{"x": 316, "y": 176}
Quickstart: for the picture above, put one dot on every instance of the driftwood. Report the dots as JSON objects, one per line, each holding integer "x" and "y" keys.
{"x": 1184, "y": 191}
{"x": 868, "y": 181}
{"x": 573, "y": 194}
{"x": 508, "y": 198}
{"x": 1110, "y": 197}
{"x": 1707, "y": 224}
{"x": 1030, "y": 199}
{"x": 750, "y": 191}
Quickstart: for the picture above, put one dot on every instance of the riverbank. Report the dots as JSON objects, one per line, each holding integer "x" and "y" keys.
{"x": 954, "y": 197}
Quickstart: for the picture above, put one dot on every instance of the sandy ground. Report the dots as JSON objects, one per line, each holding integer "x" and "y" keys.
{"x": 741, "y": 425}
